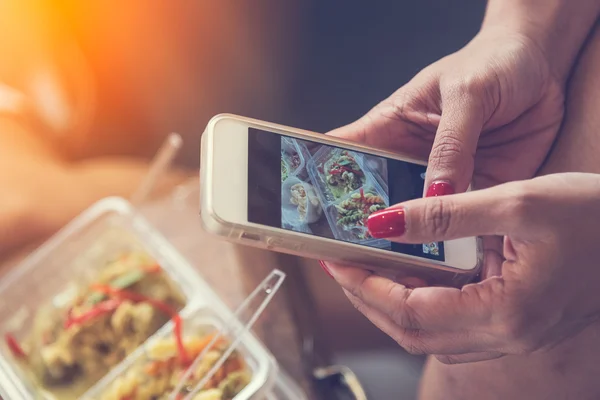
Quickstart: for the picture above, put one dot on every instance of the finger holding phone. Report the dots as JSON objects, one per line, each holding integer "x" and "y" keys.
{"x": 545, "y": 289}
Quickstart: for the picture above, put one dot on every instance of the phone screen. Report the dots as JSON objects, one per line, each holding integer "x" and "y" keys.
{"x": 328, "y": 191}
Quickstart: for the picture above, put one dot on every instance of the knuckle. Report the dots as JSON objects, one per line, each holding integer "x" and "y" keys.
{"x": 471, "y": 84}
{"x": 523, "y": 203}
{"x": 409, "y": 105}
{"x": 447, "y": 147}
{"x": 402, "y": 313}
{"x": 484, "y": 88}
{"x": 403, "y": 106}
{"x": 437, "y": 217}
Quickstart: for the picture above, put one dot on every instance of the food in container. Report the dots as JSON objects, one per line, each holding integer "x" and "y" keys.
{"x": 206, "y": 358}
{"x": 292, "y": 157}
{"x": 302, "y": 196}
{"x": 284, "y": 170}
{"x": 156, "y": 375}
{"x": 353, "y": 212}
{"x": 343, "y": 174}
{"x": 46, "y": 283}
{"x": 337, "y": 172}
{"x": 300, "y": 204}
{"x": 70, "y": 347}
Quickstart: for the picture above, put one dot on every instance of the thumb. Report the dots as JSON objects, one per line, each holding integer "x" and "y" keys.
{"x": 491, "y": 211}
{"x": 452, "y": 157}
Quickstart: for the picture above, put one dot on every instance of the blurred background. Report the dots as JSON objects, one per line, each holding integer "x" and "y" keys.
{"x": 90, "y": 89}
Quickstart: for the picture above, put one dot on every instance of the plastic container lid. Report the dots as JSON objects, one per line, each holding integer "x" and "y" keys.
{"x": 202, "y": 321}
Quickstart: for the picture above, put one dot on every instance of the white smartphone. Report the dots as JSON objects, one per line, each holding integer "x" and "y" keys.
{"x": 309, "y": 194}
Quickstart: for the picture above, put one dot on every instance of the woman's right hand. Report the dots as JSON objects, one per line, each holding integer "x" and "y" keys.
{"x": 544, "y": 289}
{"x": 487, "y": 114}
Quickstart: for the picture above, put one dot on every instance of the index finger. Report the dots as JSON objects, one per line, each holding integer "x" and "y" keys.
{"x": 452, "y": 157}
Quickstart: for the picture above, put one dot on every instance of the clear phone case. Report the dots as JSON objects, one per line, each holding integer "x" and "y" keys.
{"x": 297, "y": 241}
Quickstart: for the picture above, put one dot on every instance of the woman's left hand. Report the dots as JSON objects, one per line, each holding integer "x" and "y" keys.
{"x": 543, "y": 289}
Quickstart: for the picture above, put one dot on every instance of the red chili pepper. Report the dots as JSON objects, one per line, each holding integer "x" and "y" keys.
{"x": 99, "y": 309}
{"x": 14, "y": 346}
{"x": 167, "y": 309}
{"x": 153, "y": 268}
{"x": 130, "y": 396}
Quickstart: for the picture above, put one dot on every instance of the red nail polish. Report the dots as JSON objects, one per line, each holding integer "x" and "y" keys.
{"x": 324, "y": 266}
{"x": 439, "y": 188}
{"x": 387, "y": 223}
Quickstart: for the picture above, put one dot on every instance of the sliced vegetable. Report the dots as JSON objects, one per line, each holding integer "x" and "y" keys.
{"x": 14, "y": 346}
{"x": 165, "y": 308}
{"x": 152, "y": 268}
{"x": 98, "y": 310}
{"x": 125, "y": 281}
{"x": 343, "y": 174}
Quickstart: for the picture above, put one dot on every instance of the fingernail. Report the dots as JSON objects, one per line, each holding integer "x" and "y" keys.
{"x": 439, "y": 188}
{"x": 324, "y": 266}
{"x": 387, "y": 223}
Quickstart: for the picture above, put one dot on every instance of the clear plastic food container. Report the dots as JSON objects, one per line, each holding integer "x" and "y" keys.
{"x": 291, "y": 211}
{"x": 137, "y": 370}
{"x": 378, "y": 167}
{"x": 46, "y": 280}
{"x": 321, "y": 161}
{"x": 332, "y": 202}
{"x": 369, "y": 195}
{"x": 293, "y": 155}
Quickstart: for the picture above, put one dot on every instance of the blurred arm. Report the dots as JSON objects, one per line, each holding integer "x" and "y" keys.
{"x": 559, "y": 27}
{"x": 44, "y": 109}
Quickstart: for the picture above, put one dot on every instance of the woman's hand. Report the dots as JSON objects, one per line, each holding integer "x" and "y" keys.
{"x": 544, "y": 290}
{"x": 489, "y": 112}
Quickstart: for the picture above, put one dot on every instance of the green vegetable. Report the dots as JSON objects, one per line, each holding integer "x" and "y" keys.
{"x": 121, "y": 282}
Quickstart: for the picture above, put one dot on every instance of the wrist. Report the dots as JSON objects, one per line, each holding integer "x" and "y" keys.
{"x": 557, "y": 27}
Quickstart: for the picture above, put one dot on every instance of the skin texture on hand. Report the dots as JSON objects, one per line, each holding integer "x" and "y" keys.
{"x": 569, "y": 370}
{"x": 558, "y": 27}
{"x": 537, "y": 301}
{"x": 490, "y": 111}
{"x": 525, "y": 322}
